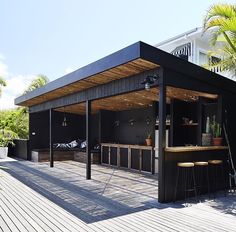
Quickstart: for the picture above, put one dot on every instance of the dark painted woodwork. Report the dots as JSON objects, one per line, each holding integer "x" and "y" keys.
{"x": 105, "y": 153}
{"x": 113, "y": 159}
{"x": 146, "y": 161}
{"x": 120, "y": 57}
{"x": 51, "y": 138}
{"x": 134, "y": 125}
{"x": 162, "y": 138}
{"x": 185, "y": 134}
{"x": 39, "y": 124}
{"x": 124, "y": 157}
{"x": 125, "y": 85}
{"x": 171, "y": 160}
{"x": 88, "y": 140}
{"x": 135, "y": 159}
{"x": 106, "y": 126}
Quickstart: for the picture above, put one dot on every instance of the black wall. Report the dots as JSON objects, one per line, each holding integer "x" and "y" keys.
{"x": 229, "y": 118}
{"x": 115, "y": 127}
{"x": 104, "y": 128}
{"x": 39, "y": 124}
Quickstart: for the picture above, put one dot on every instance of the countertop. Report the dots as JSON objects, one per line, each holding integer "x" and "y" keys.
{"x": 195, "y": 148}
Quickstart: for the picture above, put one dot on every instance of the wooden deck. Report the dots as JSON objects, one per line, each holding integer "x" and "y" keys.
{"x": 34, "y": 197}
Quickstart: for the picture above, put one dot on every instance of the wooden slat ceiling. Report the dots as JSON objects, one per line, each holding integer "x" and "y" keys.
{"x": 124, "y": 70}
{"x": 135, "y": 100}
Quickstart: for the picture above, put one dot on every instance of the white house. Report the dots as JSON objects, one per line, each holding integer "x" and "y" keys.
{"x": 194, "y": 46}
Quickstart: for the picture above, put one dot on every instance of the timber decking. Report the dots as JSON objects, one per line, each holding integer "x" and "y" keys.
{"x": 60, "y": 199}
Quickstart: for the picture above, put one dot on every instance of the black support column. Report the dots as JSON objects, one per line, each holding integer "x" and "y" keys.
{"x": 162, "y": 138}
{"x": 51, "y": 139}
{"x": 88, "y": 139}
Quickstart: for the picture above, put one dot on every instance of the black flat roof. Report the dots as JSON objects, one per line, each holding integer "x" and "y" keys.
{"x": 132, "y": 52}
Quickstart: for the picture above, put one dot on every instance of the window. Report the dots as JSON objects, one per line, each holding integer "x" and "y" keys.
{"x": 203, "y": 59}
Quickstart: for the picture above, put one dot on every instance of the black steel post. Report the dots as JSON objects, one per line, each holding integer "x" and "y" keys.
{"x": 88, "y": 139}
{"x": 162, "y": 139}
{"x": 51, "y": 139}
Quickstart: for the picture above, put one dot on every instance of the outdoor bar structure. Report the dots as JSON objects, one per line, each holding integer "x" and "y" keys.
{"x": 115, "y": 102}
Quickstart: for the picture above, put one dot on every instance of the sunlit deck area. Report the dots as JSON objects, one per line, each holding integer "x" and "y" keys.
{"x": 35, "y": 197}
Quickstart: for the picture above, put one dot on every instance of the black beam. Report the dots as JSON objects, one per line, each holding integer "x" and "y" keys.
{"x": 88, "y": 140}
{"x": 162, "y": 138}
{"x": 124, "y": 85}
{"x": 185, "y": 68}
{"x": 51, "y": 139}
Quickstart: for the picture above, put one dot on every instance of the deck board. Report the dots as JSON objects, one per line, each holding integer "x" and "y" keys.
{"x": 34, "y": 197}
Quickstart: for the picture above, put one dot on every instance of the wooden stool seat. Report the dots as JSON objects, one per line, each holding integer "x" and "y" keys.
{"x": 201, "y": 163}
{"x": 215, "y": 161}
{"x": 185, "y": 164}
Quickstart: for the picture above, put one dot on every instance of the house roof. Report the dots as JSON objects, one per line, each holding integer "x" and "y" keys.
{"x": 182, "y": 35}
{"x": 126, "y": 62}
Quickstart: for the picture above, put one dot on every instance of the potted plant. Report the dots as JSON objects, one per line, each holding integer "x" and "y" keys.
{"x": 6, "y": 138}
{"x": 149, "y": 139}
{"x": 216, "y": 132}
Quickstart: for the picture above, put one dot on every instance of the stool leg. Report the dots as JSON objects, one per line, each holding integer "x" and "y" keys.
{"x": 194, "y": 183}
{"x": 223, "y": 178}
{"x": 176, "y": 184}
{"x": 208, "y": 183}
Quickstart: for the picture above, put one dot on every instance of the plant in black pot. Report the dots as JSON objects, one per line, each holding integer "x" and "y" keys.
{"x": 216, "y": 133}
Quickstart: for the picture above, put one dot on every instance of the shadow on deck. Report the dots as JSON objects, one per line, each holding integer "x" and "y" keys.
{"x": 110, "y": 193}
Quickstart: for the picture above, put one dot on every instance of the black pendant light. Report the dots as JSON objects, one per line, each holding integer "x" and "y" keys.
{"x": 64, "y": 122}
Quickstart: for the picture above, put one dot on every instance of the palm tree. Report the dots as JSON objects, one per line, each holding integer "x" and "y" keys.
{"x": 222, "y": 18}
{"x": 38, "y": 82}
{"x": 2, "y": 83}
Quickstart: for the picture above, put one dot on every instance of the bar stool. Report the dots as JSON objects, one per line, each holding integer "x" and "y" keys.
{"x": 185, "y": 173}
{"x": 215, "y": 167}
{"x": 202, "y": 176}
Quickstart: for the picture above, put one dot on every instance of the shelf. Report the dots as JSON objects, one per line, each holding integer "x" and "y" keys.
{"x": 190, "y": 124}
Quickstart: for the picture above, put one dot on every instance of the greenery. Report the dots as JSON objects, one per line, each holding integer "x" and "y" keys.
{"x": 222, "y": 18}
{"x": 216, "y": 128}
{"x": 38, "y": 82}
{"x": 149, "y": 135}
{"x": 15, "y": 120}
{"x": 14, "y": 123}
{"x": 2, "y": 83}
{"x": 7, "y": 137}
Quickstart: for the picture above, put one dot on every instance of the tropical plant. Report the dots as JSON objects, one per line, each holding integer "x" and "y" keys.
{"x": 7, "y": 137}
{"x": 222, "y": 18}
{"x": 16, "y": 120}
{"x": 216, "y": 128}
{"x": 38, "y": 82}
{"x": 2, "y": 83}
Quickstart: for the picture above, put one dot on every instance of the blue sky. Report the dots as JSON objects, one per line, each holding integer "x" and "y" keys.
{"x": 54, "y": 37}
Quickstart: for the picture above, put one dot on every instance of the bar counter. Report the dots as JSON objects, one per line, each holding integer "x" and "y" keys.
{"x": 173, "y": 155}
{"x": 194, "y": 148}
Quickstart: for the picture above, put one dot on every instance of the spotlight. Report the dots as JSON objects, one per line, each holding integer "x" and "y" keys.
{"x": 149, "y": 80}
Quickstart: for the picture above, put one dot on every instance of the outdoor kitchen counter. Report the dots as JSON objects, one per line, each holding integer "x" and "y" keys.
{"x": 194, "y": 148}
{"x": 136, "y": 157}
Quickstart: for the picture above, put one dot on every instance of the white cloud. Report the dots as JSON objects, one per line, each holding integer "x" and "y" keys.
{"x": 69, "y": 70}
{"x": 16, "y": 84}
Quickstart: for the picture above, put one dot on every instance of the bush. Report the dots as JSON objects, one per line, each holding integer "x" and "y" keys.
{"x": 7, "y": 137}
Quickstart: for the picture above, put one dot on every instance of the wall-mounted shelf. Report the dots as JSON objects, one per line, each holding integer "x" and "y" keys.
{"x": 190, "y": 124}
